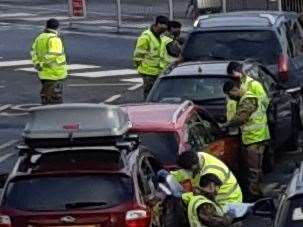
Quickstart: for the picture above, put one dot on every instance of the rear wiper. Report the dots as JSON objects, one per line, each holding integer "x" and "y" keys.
{"x": 84, "y": 204}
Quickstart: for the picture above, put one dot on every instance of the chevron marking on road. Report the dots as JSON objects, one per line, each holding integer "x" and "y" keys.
{"x": 5, "y": 15}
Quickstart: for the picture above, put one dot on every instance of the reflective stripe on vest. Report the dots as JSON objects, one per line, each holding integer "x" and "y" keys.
{"x": 256, "y": 129}
{"x": 194, "y": 204}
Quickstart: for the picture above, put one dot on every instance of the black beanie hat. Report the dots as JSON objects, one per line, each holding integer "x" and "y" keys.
{"x": 52, "y": 23}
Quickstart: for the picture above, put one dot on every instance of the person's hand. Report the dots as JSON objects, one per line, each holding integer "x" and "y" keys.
{"x": 38, "y": 67}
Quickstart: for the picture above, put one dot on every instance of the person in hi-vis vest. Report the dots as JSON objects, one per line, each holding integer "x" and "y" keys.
{"x": 49, "y": 60}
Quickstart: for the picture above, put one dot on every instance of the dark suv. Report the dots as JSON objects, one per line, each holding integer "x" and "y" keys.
{"x": 273, "y": 38}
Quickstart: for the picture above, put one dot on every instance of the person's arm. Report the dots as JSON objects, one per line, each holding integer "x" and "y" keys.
{"x": 34, "y": 56}
{"x": 244, "y": 111}
{"x": 260, "y": 92}
{"x": 142, "y": 48}
{"x": 208, "y": 216}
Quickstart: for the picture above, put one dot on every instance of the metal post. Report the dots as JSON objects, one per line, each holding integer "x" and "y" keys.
{"x": 171, "y": 9}
{"x": 224, "y": 7}
{"x": 119, "y": 15}
{"x": 280, "y": 5}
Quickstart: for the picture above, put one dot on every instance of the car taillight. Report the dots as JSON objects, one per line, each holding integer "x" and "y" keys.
{"x": 283, "y": 67}
{"x": 137, "y": 218}
{"x": 5, "y": 221}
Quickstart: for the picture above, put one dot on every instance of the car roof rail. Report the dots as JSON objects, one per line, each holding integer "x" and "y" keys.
{"x": 270, "y": 18}
{"x": 181, "y": 110}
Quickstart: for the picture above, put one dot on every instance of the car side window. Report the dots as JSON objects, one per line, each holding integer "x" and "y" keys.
{"x": 289, "y": 39}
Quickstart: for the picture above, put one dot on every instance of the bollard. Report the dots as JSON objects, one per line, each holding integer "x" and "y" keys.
{"x": 171, "y": 9}
{"x": 224, "y": 6}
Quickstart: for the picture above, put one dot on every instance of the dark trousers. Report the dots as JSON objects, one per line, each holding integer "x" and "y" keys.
{"x": 51, "y": 92}
{"x": 148, "y": 82}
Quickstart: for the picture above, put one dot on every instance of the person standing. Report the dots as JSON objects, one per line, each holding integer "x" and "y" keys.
{"x": 252, "y": 119}
{"x": 235, "y": 70}
{"x": 147, "y": 54}
{"x": 49, "y": 60}
{"x": 172, "y": 44}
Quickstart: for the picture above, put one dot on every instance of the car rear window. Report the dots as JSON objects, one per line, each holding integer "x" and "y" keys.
{"x": 235, "y": 45}
{"x": 196, "y": 88}
{"x": 163, "y": 145}
{"x": 60, "y": 193}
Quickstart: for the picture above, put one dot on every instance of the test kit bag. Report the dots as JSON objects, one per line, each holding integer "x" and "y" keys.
{"x": 75, "y": 125}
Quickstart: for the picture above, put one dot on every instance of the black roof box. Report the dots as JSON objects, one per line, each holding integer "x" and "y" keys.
{"x": 75, "y": 124}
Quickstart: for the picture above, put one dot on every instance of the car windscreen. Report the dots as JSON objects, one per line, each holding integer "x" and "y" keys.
{"x": 235, "y": 45}
{"x": 190, "y": 87}
{"x": 62, "y": 193}
{"x": 163, "y": 145}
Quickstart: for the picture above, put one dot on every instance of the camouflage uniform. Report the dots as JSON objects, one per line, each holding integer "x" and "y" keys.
{"x": 252, "y": 154}
{"x": 148, "y": 82}
{"x": 208, "y": 217}
{"x": 51, "y": 92}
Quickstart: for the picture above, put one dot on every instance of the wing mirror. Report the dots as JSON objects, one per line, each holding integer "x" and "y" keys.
{"x": 265, "y": 208}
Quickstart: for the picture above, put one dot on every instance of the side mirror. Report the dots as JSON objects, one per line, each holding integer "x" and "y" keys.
{"x": 265, "y": 208}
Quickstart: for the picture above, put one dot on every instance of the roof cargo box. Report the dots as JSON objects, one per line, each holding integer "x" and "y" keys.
{"x": 75, "y": 124}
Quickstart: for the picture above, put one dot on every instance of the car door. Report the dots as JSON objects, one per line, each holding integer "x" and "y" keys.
{"x": 146, "y": 175}
{"x": 281, "y": 110}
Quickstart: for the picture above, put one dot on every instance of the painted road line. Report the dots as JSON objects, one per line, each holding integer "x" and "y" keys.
{"x": 4, "y": 107}
{"x": 69, "y": 67}
{"x": 7, "y": 156}
{"x": 5, "y": 15}
{"x": 60, "y": 18}
{"x": 108, "y": 73}
{"x": 113, "y": 98}
{"x": 8, "y": 144}
{"x": 15, "y": 63}
{"x": 1, "y": 86}
{"x": 95, "y": 85}
{"x": 133, "y": 80}
{"x": 135, "y": 87}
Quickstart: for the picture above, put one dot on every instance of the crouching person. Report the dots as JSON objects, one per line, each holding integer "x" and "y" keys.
{"x": 202, "y": 209}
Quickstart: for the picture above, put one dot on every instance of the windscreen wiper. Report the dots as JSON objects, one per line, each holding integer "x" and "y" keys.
{"x": 84, "y": 204}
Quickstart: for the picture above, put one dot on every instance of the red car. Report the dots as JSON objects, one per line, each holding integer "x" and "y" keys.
{"x": 169, "y": 129}
{"x": 75, "y": 171}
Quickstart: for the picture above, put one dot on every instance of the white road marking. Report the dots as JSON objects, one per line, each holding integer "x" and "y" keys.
{"x": 133, "y": 80}
{"x": 7, "y": 156}
{"x": 108, "y": 73}
{"x": 44, "y": 18}
{"x": 3, "y": 15}
{"x": 1, "y": 86}
{"x": 8, "y": 144}
{"x": 1, "y": 57}
{"x": 95, "y": 85}
{"x": 15, "y": 63}
{"x": 113, "y": 98}
{"x": 103, "y": 35}
{"x": 70, "y": 67}
{"x": 4, "y": 107}
{"x": 135, "y": 87}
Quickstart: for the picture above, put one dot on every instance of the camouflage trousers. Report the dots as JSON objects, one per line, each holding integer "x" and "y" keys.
{"x": 251, "y": 168}
{"x": 148, "y": 82}
{"x": 51, "y": 92}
